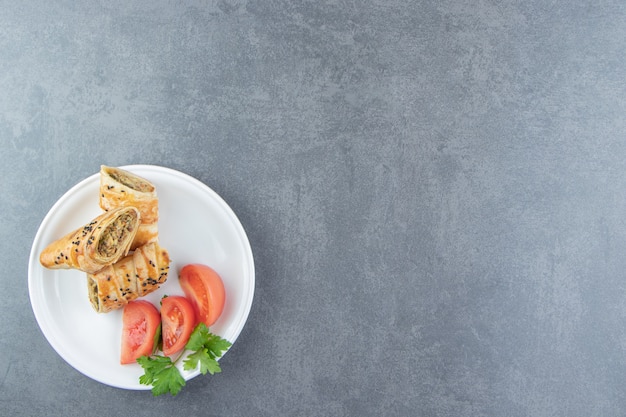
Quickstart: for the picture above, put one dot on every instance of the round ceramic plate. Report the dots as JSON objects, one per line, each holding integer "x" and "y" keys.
{"x": 195, "y": 226}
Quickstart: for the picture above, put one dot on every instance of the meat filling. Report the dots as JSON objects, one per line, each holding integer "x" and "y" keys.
{"x": 92, "y": 286}
{"x": 114, "y": 233}
{"x": 132, "y": 182}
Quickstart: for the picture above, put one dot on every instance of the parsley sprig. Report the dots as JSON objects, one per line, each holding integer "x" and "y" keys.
{"x": 161, "y": 372}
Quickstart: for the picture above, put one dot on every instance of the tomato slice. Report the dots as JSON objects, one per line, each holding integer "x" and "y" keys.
{"x": 140, "y": 321}
{"x": 178, "y": 320}
{"x": 205, "y": 289}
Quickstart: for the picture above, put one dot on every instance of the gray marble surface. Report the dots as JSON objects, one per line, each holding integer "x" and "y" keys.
{"x": 434, "y": 192}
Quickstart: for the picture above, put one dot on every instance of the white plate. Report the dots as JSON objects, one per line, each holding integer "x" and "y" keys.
{"x": 195, "y": 226}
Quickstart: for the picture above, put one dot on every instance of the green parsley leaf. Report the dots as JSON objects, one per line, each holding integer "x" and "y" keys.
{"x": 169, "y": 380}
{"x": 216, "y": 345}
{"x": 162, "y": 374}
{"x": 207, "y": 363}
{"x": 202, "y": 337}
{"x": 198, "y": 337}
{"x": 152, "y": 365}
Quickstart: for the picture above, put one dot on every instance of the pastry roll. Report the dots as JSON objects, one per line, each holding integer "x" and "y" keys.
{"x": 132, "y": 277}
{"x": 121, "y": 188}
{"x": 99, "y": 243}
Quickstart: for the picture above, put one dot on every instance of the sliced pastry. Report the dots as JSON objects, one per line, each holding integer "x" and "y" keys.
{"x": 121, "y": 188}
{"x": 133, "y": 276}
{"x": 99, "y": 243}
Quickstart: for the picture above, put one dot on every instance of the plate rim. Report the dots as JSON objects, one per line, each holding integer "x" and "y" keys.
{"x": 247, "y": 297}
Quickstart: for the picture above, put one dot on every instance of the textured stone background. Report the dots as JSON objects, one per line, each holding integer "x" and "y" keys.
{"x": 434, "y": 191}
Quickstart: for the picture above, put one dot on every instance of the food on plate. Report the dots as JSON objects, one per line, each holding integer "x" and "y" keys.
{"x": 140, "y": 324}
{"x": 120, "y": 253}
{"x": 205, "y": 289}
{"x": 177, "y": 321}
{"x": 184, "y": 334}
{"x": 135, "y": 275}
{"x": 101, "y": 242}
{"x": 121, "y": 188}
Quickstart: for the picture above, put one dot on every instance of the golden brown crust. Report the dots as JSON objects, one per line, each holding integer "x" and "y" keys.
{"x": 99, "y": 243}
{"x": 135, "y": 275}
{"x": 145, "y": 234}
{"x": 121, "y": 188}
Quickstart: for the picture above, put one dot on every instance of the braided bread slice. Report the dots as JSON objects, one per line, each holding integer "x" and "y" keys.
{"x": 133, "y": 276}
{"x": 121, "y": 188}
{"x": 99, "y": 243}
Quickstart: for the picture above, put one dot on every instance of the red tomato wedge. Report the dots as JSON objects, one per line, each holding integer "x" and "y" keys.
{"x": 178, "y": 320}
{"x": 205, "y": 289}
{"x": 140, "y": 321}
